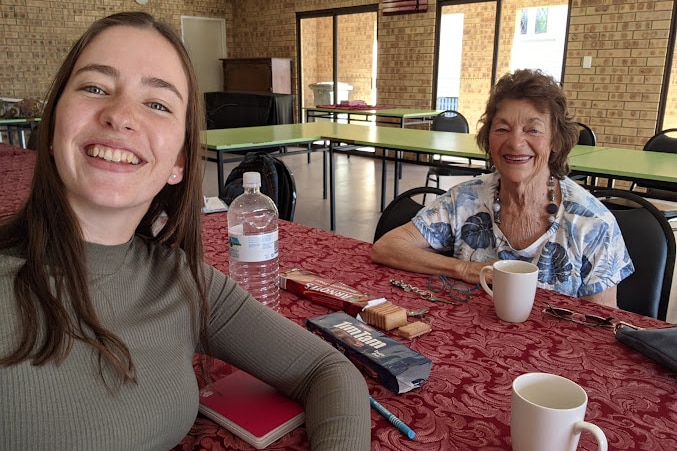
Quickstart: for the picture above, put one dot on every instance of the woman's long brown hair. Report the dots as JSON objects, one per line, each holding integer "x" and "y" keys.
{"x": 46, "y": 233}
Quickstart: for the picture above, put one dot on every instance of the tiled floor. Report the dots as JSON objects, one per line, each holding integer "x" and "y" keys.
{"x": 358, "y": 187}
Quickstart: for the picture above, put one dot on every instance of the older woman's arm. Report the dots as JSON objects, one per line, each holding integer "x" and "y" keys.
{"x": 405, "y": 248}
{"x": 606, "y": 297}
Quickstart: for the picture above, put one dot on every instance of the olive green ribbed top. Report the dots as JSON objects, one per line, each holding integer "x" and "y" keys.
{"x": 139, "y": 293}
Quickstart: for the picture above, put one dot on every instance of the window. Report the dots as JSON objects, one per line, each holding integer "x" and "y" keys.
{"x": 524, "y": 22}
{"x": 470, "y": 56}
{"x": 542, "y": 20}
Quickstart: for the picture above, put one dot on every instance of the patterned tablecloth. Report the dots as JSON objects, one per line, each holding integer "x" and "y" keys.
{"x": 465, "y": 403}
{"x": 16, "y": 173}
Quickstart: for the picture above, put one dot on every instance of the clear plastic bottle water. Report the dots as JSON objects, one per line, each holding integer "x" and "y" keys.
{"x": 253, "y": 242}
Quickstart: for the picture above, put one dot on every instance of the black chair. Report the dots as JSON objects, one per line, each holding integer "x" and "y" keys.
{"x": 233, "y": 109}
{"x": 651, "y": 244}
{"x": 663, "y": 141}
{"x": 451, "y": 121}
{"x": 586, "y": 136}
{"x": 402, "y": 209}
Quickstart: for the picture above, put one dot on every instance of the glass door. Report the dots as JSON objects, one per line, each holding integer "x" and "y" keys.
{"x": 532, "y": 34}
{"x": 668, "y": 111}
{"x": 465, "y": 58}
{"x": 337, "y": 56}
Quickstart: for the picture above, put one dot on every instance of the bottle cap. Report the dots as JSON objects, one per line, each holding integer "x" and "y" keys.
{"x": 251, "y": 180}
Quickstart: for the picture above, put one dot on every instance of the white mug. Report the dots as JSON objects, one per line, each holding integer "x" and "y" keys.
{"x": 514, "y": 288}
{"x": 547, "y": 414}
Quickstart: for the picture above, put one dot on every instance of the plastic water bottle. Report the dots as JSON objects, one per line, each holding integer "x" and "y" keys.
{"x": 253, "y": 242}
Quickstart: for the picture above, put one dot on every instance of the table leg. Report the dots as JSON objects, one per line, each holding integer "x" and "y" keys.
{"x": 398, "y": 165}
{"x": 22, "y": 137}
{"x": 324, "y": 174}
{"x": 219, "y": 169}
{"x": 398, "y": 174}
{"x": 332, "y": 191}
{"x": 10, "y": 135}
{"x": 384, "y": 176}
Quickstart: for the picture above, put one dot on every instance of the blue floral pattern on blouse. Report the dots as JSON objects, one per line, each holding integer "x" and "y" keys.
{"x": 582, "y": 253}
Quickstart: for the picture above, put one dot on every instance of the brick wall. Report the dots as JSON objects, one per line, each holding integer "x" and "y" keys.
{"x": 35, "y": 35}
{"x": 405, "y": 59}
{"x": 618, "y": 96}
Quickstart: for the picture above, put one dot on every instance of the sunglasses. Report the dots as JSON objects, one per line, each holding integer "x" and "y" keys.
{"x": 458, "y": 291}
{"x": 578, "y": 318}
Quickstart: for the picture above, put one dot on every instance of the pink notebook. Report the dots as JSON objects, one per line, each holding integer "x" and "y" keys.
{"x": 250, "y": 408}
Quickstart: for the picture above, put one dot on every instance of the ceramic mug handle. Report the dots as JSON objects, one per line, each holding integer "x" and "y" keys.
{"x": 483, "y": 280}
{"x": 581, "y": 426}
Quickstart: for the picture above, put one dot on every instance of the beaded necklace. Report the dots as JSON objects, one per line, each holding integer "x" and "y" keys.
{"x": 551, "y": 209}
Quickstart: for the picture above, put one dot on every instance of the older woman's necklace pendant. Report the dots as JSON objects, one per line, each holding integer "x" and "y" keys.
{"x": 551, "y": 209}
{"x": 497, "y": 203}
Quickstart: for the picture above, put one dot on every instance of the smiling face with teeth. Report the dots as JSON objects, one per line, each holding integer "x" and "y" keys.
{"x": 120, "y": 125}
{"x": 520, "y": 142}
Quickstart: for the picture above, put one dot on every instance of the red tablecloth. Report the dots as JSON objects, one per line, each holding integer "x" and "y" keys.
{"x": 16, "y": 173}
{"x": 465, "y": 403}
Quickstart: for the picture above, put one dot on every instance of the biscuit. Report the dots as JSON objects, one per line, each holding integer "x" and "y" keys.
{"x": 385, "y": 315}
{"x": 415, "y": 329}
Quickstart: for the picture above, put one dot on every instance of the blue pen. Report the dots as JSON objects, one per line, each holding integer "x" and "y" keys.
{"x": 399, "y": 424}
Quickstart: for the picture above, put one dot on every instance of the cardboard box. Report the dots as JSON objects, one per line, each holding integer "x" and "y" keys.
{"x": 396, "y": 366}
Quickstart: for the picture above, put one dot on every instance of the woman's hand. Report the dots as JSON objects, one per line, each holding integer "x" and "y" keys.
{"x": 470, "y": 272}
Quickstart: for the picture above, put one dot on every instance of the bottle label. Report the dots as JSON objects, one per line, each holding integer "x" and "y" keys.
{"x": 252, "y": 248}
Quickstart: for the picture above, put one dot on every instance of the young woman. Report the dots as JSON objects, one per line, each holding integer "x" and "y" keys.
{"x": 101, "y": 313}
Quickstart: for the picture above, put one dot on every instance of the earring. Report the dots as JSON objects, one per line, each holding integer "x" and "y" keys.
{"x": 174, "y": 176}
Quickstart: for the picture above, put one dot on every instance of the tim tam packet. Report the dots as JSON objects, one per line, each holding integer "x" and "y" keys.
{"x": 324, "y": 291}
{"x": 396, "y": 366}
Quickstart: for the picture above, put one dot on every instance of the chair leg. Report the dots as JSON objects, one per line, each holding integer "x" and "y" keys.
{"x": 427, "y": 182}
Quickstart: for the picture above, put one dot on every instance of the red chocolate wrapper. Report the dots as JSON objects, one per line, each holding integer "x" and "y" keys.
{"x": 324, "y": 291}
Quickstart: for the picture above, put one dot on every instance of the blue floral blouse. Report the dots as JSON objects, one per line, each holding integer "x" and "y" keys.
{"x": 582, "y": 253}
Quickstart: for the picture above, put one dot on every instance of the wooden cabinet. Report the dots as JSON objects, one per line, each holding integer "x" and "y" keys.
{"x": 257, "y": 74}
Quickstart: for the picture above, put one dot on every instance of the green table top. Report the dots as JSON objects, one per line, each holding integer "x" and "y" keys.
{"x": 628, "y": 163}
{"x": 582, "y": 150}
{"x": 621, "y": 163}
{"x": 425, "y": 141}
{"x": 272, "y": 135}
{"x": 385, "y": 112}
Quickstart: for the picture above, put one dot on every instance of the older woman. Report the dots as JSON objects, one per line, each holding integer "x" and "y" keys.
{"x": 101, "y": 313}
{"x": 526, "y": 209}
